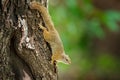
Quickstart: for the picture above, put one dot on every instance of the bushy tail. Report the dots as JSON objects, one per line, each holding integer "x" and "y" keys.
{"x": 44, "y": 12}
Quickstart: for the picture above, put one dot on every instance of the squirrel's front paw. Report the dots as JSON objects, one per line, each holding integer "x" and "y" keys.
{"x": 53, "y": 59}
{"x": 52, "y": 62}
{"x": 41, "y": 27}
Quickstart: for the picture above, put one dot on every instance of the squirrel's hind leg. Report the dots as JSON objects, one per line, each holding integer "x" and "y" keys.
{"x": 46, "y": 34}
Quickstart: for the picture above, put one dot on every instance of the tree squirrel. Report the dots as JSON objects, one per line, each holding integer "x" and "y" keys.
{"x": 51, "y": 35}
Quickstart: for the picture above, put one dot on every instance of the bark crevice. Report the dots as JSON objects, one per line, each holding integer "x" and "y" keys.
{"x": 24, "y": 53}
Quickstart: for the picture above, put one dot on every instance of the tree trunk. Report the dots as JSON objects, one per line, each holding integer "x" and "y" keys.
{"x": 24, "y": 54}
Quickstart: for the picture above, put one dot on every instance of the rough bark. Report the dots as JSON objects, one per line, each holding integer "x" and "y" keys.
{"x": 24, "y": 54}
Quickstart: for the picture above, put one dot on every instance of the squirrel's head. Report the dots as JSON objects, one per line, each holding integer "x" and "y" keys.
{"x": 66, "y": 59}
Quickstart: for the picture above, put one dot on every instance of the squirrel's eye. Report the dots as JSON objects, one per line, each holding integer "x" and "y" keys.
{"x": 66, "y": 59}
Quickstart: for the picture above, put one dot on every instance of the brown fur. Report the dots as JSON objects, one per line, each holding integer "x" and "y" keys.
{"x": 51, "y": 35}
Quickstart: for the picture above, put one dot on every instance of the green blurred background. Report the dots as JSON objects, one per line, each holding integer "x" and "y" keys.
{"x": 90, "y": 31}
